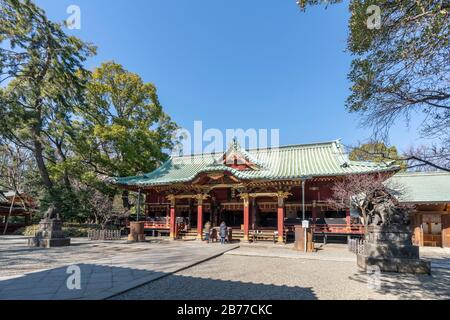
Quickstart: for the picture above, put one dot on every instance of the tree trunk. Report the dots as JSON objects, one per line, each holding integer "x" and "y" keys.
{"x": 64, "y": 159}
{"x": 366, "y": 220}
{"x": 126, "y": 200}
{"x": 9, "y": 214}
{"x": 38, "y": 155}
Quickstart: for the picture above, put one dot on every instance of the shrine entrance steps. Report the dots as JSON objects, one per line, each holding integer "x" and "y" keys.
{"x": 238, "y": 235}
{"x": 191, "y": 234}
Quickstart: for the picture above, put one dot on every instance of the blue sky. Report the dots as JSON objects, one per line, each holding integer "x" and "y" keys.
{"x": 233, "y": 64}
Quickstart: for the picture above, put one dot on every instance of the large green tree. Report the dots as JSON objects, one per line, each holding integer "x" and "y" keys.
{"x": 377, "y": 152}
{"x": 40, "y": 68}
{"x": 401, "y": 67}
{"x": 78, "y": 126}
{"x": 124, "y": 130}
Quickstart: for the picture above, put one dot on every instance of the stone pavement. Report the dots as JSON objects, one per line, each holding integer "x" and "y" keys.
{"x": 439, "y": 257}
{"x": 107, "y": 268}
{"x": 329, "y": 252}
{"x": 264, "y": 272}
{"x": 163, "y": 269}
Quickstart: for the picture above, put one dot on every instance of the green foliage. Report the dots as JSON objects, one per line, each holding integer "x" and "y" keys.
{"x": 304, "y": 3}
{"x": 43, "y": 66}
{"x": 69, "y": 229}
{"x": 125, "y": 130}
{"x": 401, "y": 68}
{"x": 29, "y": 231}
{"x": 77, "y": 126}
{"x": 377, "y": 152}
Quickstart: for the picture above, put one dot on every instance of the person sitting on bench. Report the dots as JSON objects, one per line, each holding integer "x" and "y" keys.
{"x": 207, "y": 231}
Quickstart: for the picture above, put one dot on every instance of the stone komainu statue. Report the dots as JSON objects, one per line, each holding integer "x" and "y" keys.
{"x": 388, "y": 243}
{"x": 52, "y": 213}
{"x": 388, "y": 213}
{"x": 50, "y": 232}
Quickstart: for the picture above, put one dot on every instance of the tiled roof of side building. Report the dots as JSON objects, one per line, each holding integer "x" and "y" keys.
{"x": 287, "y": 162}
{"x": 422, "y": 187}
{"x": 3, "y": 198}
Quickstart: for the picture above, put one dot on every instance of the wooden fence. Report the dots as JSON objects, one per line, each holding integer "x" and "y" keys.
{"x": 104, "y": 234}
{"x": 356, "y": 246}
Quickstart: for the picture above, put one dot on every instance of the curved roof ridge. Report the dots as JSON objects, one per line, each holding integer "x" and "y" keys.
{"x": 422, "y": 173}
{"x": 286, "y": 162}
{"x": 287, "y": 146}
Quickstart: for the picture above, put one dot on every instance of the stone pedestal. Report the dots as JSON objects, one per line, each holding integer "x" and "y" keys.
{"x": 390, "y": 249}
{"x": 50, "y": 235}
{"x": 136, "y": 232}
{"x": 300, "y": 239}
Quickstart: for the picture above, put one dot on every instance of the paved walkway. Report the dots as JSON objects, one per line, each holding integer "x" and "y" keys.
{"x": 107, "y": 268}
{"x": 330, "y": 252}
{"x": 164, "y": 269}
{"x": 439, "y": 257}
{"x": 264, "y": 272}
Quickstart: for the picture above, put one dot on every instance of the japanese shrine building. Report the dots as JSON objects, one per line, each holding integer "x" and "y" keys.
{"x": 429, "y": 194}
{"x": 270, "y": 190}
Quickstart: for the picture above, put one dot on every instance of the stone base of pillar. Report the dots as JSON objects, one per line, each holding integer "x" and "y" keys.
{"x": 300, "y": 239}
{"x": 415, "y": 266}
{"x": 48, "y": 243}
{"x": 50, "y": 235}
{"x": 136, "y": 232}
{"x": 136, "y": 238}
{"x": 390, "y": 249}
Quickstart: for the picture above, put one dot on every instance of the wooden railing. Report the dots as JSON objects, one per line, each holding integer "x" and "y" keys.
{"x": 157, "y": 225}
{"x": 104, "y": 235}
{"x": 339, "y": 228}
{"x": 432, "y": 240}
{"x": 357, "y": 246}
{"x": 333, "y": 228}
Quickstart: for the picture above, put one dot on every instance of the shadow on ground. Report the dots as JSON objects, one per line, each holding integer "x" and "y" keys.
{"x": 103, "y": 281}
{"x": 410, "y": 286}
{"x": 177, "y": 287}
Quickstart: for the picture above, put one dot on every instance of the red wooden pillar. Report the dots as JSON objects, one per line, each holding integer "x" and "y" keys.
{"x": 246, "y": 199}
{"x": 173, "y": 223}
{"x": 168, "y": 217}
{"x": 280, "y": 218}
{"x": 199, "y": 218}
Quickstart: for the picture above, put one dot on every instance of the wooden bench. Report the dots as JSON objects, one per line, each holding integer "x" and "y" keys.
{"x": 263, "y": 236}
{"x": 430, "y": 243}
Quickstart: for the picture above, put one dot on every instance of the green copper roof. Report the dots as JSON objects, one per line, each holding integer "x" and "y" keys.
{"x": 3, "y": 198}
{"x": 422, "y": 187}
{"x": 288, "y": 162}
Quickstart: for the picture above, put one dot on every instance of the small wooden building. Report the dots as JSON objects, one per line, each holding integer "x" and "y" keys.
{"x": 429, "y": 193}
{"x": 264, "y": 191}
{"x": 15, "y": 211}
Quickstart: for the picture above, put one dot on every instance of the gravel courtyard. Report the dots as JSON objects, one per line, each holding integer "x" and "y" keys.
{"x": 246, "y": 276}
{"x": 164, "y": 269}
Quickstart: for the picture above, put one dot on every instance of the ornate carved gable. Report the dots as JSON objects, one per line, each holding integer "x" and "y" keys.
{"x": 216, "y": 178}
{"x": 237, "y": 158}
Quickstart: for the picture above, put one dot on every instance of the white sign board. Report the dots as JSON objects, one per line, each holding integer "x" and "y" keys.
{"x": 305, "y": 223}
